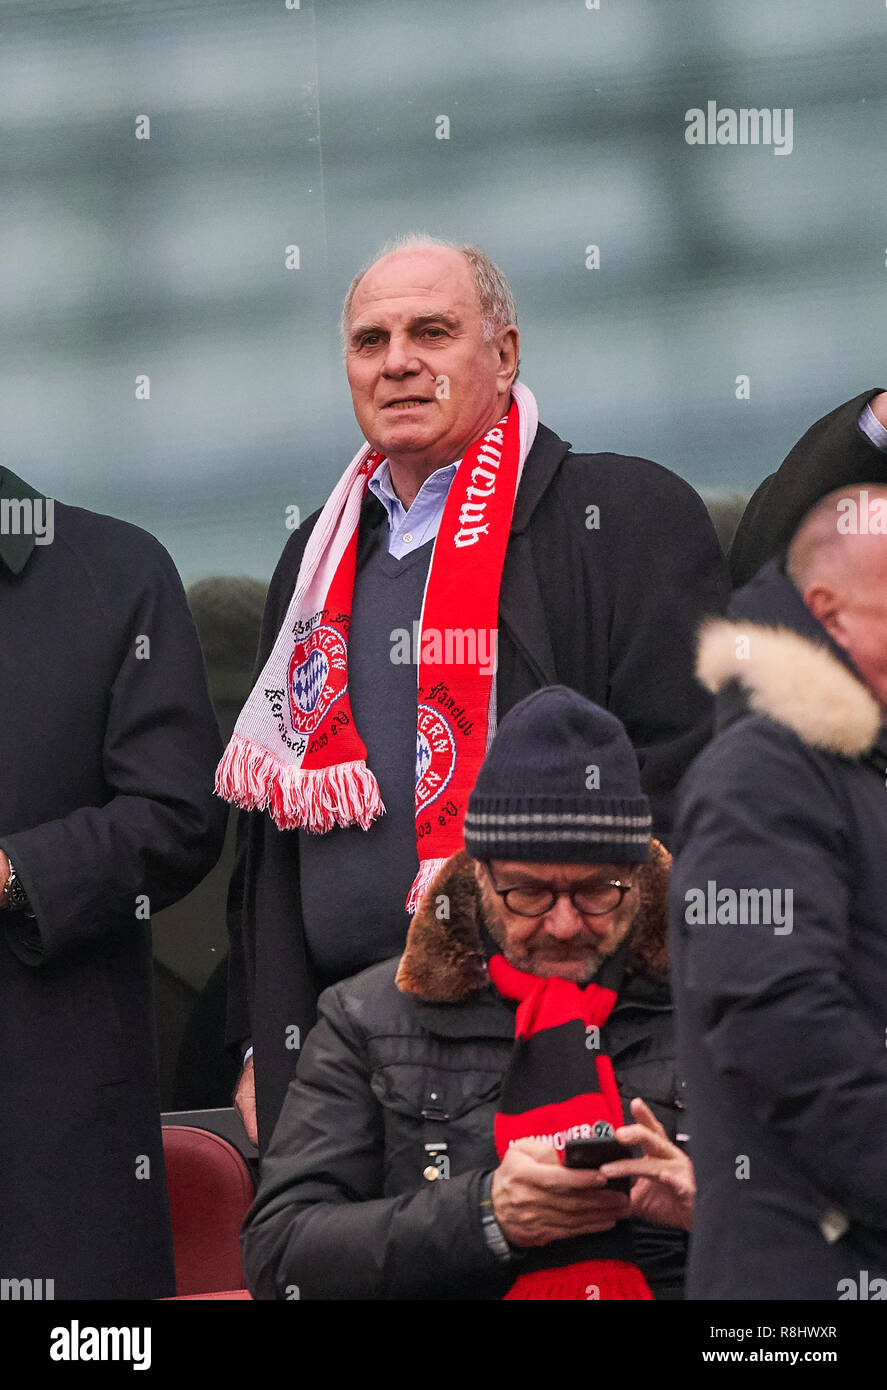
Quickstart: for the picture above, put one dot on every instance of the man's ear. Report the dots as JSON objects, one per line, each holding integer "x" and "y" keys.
{"x": 509, "y": 356}
{"x": 826, "y": 607}
{"x": 478, "y": 868}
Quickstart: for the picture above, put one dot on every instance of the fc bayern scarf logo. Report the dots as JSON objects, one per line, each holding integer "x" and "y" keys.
{"x": 435, "y": 756}
{"x": 296, "y": 751}
{"x": 318, "y": 676}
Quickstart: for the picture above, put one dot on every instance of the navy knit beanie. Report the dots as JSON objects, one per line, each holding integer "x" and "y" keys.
{"x": 560, "y": 784}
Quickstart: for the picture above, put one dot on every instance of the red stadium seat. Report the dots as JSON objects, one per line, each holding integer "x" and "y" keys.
{"x": 210, "y": 1191}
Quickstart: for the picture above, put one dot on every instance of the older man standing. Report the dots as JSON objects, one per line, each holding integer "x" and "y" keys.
{"x": 511, "y": 564}
{"x": 778, "y": 923}
{"x": 419, "y": 1153}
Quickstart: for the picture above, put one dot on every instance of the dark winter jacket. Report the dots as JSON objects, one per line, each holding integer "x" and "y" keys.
{"x": 833, "y": 453}
{"x": 782, "y": 1027}
{"x": 405, "y": 1064}
{"x": 107, "y": 752}
{"x": 604, "y": 601}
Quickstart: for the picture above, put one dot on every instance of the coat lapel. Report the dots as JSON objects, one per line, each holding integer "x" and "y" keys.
{"x": 15, "y": 550}
{"x": 521, "y": 610}
{"x": 542, "y": 462}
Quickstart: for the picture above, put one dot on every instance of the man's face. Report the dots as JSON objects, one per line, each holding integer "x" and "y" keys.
{"x": 856, "y": 617}
{"x": 865, "y": 625}
{"x": 563, "y": 942}
{"x": 424, "y": 383}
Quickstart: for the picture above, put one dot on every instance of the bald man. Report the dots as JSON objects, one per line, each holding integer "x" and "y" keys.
{"x": 779, "y": 923}
{"x": 494, "y": 560}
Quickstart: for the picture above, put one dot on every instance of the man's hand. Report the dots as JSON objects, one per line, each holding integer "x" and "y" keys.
{"x": 245, "y": 1100}
{"x": 879, "y": 408}
{"x": 4, "y": 875}
{"x": 665, "y": 1190}
{"x": 537, "y": 1200}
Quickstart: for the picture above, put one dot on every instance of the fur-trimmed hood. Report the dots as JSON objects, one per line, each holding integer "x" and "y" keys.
{"x": 444, "y": 960}
{"x": 788, "y": 668}
{"x": 793, "y": 681}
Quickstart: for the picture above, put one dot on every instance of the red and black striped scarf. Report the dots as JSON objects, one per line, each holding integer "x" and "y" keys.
{"x": 560, "y": 1085}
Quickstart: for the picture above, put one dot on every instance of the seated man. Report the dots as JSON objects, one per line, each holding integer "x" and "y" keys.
{"x": 419, "y": 1151}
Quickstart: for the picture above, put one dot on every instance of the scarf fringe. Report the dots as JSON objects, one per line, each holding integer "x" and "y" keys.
{"x": 343, "y": 794}
{"x": 428, "y": 872}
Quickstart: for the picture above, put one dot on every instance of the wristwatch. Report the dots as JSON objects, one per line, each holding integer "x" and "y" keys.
{"x": 492, "y": 1230}
{"x": 14, "y": 895}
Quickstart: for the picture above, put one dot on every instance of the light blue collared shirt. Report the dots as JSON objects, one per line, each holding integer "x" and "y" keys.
{"x": 873, "y": 429}
{"x": 408, "y": 529}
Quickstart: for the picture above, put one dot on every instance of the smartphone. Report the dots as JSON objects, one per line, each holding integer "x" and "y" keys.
{"x": 591, "y": 1153}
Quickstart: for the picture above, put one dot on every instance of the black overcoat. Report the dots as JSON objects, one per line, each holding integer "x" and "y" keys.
{"x": 833, "y": 453}
{"x": 107, "y": 753}
{"x": 780, "y": 1001}
{"x": 606, "y": 601}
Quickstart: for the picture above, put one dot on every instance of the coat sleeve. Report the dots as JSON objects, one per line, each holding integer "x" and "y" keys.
{"x": 780, "y": 1018}
{"x": 668, "y": 573}
{"x": 161, "y": 828}
{"x": 833, "y": 453}
{"x": 238, "y": 1029}
{"x": 320, "y": 1226}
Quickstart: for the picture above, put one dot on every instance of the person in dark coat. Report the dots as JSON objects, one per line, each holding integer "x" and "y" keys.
{"x": 610, "y": 564}
{"x": 778, "y": 935}
{"x": 107, "y": 748}
{"x": 849, "y": 445}
{"x": 417, "y": 1152}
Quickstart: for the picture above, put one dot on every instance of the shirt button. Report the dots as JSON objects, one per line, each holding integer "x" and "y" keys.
{"x": 407, "y": 537}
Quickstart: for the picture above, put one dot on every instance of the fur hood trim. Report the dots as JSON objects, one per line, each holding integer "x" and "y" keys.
{"x": 793, "y": 681}
{"x": 444, "y": 961}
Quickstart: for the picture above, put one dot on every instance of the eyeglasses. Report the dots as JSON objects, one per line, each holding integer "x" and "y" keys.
{"x": 534, "y": 900}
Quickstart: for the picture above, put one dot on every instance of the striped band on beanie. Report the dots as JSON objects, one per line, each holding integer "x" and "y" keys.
{"x": 560, "y": 783}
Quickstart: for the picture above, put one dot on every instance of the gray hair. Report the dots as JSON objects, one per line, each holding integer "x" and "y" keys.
{"x": 497, "y": 307}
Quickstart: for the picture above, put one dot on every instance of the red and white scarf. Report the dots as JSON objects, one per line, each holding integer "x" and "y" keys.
{"x": 296, "y": 751}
